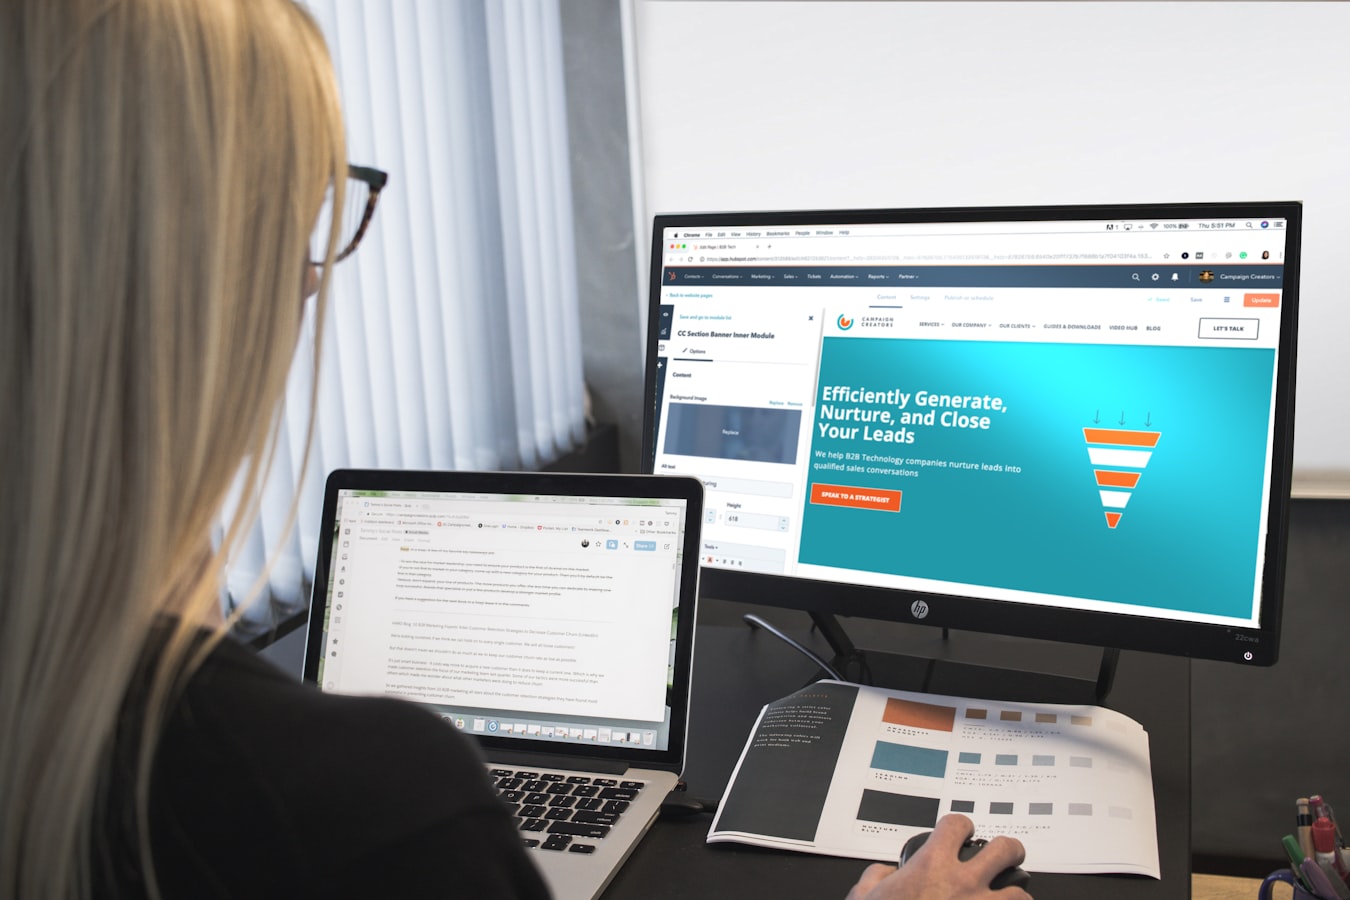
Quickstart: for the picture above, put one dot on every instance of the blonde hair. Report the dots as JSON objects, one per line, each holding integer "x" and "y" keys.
{"x": 162, "y": 164}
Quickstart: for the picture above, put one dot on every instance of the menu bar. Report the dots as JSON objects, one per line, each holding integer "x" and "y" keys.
{"x": 1266, "y": 277}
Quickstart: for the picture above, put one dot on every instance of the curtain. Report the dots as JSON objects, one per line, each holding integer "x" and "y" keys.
{"x": 453, "y": 337}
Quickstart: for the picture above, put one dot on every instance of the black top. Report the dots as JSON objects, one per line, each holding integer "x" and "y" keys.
{"x": 266, "y": 787}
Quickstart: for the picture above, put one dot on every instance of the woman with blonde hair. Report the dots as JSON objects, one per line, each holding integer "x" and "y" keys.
{"x": 162, "y": 166}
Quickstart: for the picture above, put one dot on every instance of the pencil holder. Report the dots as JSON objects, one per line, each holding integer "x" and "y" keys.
{"x": 1287, "y": 876}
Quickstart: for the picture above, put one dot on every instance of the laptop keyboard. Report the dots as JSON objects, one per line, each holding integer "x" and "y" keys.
{"x": 563, "y": 812}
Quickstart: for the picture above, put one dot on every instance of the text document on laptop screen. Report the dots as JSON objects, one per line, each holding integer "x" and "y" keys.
{"x": 544, "y": 618}
{"x": 1063, "y": 413}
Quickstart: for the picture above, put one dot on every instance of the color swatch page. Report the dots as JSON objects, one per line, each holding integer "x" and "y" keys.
{"x": 843, "y": 770}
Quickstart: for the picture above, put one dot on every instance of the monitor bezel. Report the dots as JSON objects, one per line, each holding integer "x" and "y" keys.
{"x": 1246, "y": 645}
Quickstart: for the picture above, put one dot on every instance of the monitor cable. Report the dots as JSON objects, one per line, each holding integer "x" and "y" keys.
{"x": 755, "y": 621}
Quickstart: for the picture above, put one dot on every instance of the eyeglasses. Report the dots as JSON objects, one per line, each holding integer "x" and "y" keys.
{"x": 363, "y": 190}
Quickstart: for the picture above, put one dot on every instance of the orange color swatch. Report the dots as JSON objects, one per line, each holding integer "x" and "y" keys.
{"x": 919, "y": 715}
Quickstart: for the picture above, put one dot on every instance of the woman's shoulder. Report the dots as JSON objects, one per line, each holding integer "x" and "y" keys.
{"x": 314, "y": 788}
{"x": 240, "y": 710}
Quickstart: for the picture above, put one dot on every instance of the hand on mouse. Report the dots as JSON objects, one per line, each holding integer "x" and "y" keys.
{"x": 935, "y": 872}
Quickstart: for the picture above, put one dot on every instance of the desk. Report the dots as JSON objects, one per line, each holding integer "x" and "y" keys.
{"x": 737, "y": 670}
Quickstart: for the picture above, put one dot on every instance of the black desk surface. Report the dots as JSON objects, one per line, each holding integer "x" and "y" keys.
{"x": 738, "y": 670}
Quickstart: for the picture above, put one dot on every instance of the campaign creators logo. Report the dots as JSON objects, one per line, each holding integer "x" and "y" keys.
{"x": 876, "y": 321}
{"x": 844, "y": 322}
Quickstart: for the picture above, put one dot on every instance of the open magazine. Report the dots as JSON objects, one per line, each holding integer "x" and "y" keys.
{"x": 843, "y": 770}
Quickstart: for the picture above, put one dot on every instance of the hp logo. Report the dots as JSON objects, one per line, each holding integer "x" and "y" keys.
{"x": 918, "y": 609}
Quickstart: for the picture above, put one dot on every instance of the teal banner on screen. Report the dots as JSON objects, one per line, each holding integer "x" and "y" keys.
{"x": 1119, "y": 473}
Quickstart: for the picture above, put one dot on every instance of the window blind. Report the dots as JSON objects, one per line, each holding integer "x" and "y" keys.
{"x": 453, "y": 335}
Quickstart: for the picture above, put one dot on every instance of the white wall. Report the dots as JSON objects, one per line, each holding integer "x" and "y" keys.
{"x": 827, "y": 105}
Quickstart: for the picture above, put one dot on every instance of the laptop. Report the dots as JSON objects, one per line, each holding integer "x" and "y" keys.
{"x": 550, "y": 617}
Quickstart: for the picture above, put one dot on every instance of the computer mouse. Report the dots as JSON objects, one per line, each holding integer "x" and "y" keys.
{"x": 678, "y": 804}
{"x": 1009, "y": 877}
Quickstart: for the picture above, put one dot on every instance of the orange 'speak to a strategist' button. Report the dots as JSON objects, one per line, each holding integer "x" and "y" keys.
{"x": 1267, "y": 300}
{"x": 855, "y": 497}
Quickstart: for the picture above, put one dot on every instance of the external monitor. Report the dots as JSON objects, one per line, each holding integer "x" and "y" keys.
{"x": 1070, "y": 423}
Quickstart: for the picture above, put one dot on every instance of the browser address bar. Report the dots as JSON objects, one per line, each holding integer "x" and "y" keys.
{"x": 928, "y": 249}
{"x": 710, "y": 258}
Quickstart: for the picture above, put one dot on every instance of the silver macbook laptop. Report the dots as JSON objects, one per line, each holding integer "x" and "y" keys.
{"x": 551, "y": 617}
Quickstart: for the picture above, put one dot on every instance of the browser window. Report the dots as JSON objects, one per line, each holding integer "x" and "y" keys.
{"x": 482, "y": 606}
{"x": 984, "y": 408}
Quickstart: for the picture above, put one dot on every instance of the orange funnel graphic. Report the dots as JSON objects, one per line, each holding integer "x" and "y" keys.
{"x": 1118, "y": 456}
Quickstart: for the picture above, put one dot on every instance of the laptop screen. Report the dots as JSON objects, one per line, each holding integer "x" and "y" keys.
{"x": 536, "y": 619}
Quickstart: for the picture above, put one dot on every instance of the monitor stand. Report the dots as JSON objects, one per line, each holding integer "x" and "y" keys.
{"x": 935, "y": 666}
